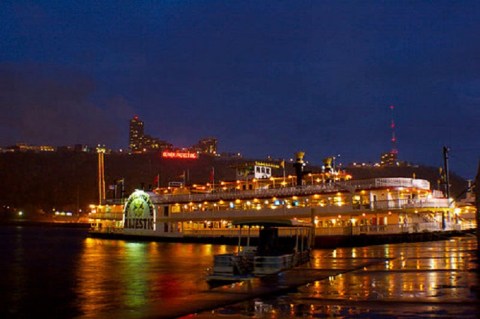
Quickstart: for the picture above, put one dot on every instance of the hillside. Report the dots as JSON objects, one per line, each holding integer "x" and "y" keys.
{"x": 41, "y": 182}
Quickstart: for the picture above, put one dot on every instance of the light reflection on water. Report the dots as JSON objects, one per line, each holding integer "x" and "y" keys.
{"x": 411, "y": 280}
{"x": 129, "y": 275}
{"x": 62, "y": 273}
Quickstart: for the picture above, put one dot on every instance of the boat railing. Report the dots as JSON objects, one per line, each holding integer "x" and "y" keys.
{"x": 305, "y": 208}
{"x": 349, "y": 230}
{"x": 232, "y": 232}
{"x": 397, "y": 228}
{"x": 409, "y": 203}
{"x": 386, "y": 182}
{"x": 402, "y": 182}
{"x": 467, "y": 224}
{"x": 225, "y": 232}
{"x": 332, "y": 186}
{"x": 422, "y": 203}
{"x": 390, "y": 229}
{"x": 289, "y": 191}
{"x": 115, "y": 216}
{"x": 241, "y": 194}
{"x": 106, "y": 229}
{"x": 223, "y": 263}
{"x": 373, "y": 183}
{"x": 232, "y": 264}
{"x": 247, "y": 251}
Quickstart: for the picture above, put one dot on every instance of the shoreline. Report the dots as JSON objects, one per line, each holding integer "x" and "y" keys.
{"x": 16, "y": 222}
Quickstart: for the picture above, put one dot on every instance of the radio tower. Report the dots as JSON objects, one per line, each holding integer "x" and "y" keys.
{"x": 394, "y": 138}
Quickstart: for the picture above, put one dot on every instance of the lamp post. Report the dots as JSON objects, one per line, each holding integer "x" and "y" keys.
{"x": 273, "y": 181}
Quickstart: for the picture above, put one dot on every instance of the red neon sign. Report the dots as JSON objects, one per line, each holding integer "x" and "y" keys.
{"x": 179, "y": 154}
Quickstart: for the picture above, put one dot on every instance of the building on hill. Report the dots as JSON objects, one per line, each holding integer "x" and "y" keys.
{"x": 136, "y": 133}
{"x": 23, "y": 147}
{"x": 139, "y": 142}
{"x": 150, "y": 144}
{"x": 389, "y": 159}
{"x": 206, "y": 145}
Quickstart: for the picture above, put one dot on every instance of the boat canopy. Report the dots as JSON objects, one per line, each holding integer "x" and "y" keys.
{"x": 271, "y": 223}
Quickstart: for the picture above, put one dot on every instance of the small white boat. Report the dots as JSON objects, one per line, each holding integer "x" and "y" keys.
{"x": 281, "y": 245}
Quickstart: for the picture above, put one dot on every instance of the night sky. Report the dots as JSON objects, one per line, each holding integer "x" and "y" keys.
{"x": 266, "y": 78}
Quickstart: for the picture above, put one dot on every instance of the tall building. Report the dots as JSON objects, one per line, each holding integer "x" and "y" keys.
{"x": 389, "y": 159}
{"x": 150, "y": 143}
{"x": 139, "y": 142}
{"x": 136, "y": 135}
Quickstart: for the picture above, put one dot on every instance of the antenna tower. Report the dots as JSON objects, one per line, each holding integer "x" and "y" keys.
{"x": 394, "y": 138}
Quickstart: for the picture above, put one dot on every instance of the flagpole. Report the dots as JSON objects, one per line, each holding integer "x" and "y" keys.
{"x": 122, "y": 190}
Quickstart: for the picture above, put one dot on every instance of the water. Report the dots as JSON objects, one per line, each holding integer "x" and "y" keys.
{"x": 412, "y": 280}
{"x": 61, "y": 273}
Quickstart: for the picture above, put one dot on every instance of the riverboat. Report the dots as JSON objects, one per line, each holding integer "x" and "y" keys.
{"x": 337, "y": 206}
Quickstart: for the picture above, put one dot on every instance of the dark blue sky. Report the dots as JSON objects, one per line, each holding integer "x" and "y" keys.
{"x": 264, "y": 77}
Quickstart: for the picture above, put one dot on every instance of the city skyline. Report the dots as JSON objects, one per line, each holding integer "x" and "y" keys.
{"x": 265, "y": 79}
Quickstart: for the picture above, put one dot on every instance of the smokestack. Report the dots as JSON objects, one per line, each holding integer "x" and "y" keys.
{"x": 299, "y": 165}
{"x": 327, "y": 163}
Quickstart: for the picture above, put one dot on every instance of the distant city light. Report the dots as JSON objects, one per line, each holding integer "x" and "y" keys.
{"x": 179, "y": 154}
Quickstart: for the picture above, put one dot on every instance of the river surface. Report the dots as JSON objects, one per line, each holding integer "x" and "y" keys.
{"x": 54, "y": 272}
